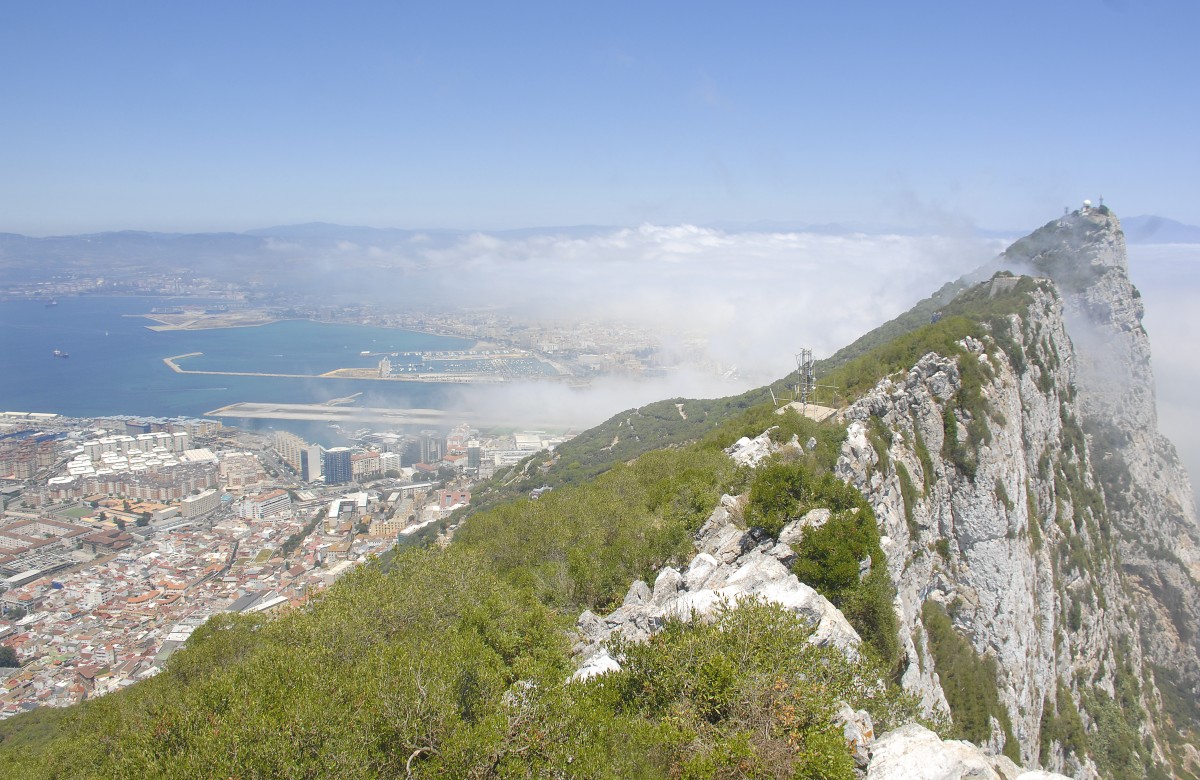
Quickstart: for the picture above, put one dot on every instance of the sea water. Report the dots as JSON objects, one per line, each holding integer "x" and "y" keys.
{"x": 115, "y": 364}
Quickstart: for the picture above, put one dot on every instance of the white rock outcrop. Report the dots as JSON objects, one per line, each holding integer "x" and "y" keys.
{"x": 731, "y": 564}
{"x": 914, "y": 752}
{"x": 750, "y": 452}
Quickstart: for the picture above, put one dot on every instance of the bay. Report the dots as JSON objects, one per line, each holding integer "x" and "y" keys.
{"x": 115, "y": 364}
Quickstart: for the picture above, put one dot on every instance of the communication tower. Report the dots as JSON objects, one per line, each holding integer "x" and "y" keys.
{"x": 806, "y": 382}
{"x": 805, "y": 376}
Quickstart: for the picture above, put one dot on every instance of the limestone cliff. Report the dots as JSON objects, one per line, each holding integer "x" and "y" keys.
{"x": 1147, "y": 490}
{"x": 1038, "y": 529}
{"x": 1047, "y": 518}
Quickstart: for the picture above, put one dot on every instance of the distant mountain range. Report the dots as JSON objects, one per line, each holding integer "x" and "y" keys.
{"x": 1146, "y": 229}
{"x": 1150, "y": 229}
{"x": 278, "y": 255}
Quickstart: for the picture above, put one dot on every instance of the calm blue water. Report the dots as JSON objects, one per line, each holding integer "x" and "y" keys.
{"x": 115, "y": 364}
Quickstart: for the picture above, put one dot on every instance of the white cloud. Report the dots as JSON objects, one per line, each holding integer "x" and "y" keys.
{"x": 1168, "y": 276}
{"x": 755, "y": 298}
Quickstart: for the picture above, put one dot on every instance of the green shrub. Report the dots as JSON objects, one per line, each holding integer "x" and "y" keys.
{"x": 925, "y": 458}
{"x": 1002, "y": 495}
{"x": 828, "y": 557}
{"x": 881, "y": 440}
{"x": 1061, "y": 723}
{"x": 908, "y": 494}
{"x": 968, "y": 681}
{"x": 746, "y": 695}
{"x": 1035, "y": 524}
{"x": 776, "y": 496}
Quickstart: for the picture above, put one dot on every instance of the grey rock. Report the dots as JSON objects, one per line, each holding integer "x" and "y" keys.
{"x": 639, "y": 593}
{"x": 793, "y": 532}
{"x": 700, "y": 572}
{"x": 750, "y": 452}
{"x": 859, "y": 730}
{"x": 914, "y": 752}
{"x": 666, "y": 585}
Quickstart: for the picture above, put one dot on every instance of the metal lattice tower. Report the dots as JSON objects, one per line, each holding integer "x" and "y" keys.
{"x": 806, "y": 383}
{"x": 805, "y": 378}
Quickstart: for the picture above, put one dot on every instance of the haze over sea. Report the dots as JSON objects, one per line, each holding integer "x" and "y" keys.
{"x": 116, "y": 364}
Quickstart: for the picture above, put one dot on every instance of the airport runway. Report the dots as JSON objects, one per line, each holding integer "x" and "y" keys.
{"x": 334, "y": 414}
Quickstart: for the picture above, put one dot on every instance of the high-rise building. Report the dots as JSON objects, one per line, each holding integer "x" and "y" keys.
{"x": 337, "y": 466}
{"x": 389, "y": 461}
{"x": 310, "y": 462}
{"x": 289, "y": 446}
{"x": 432, "y": 446}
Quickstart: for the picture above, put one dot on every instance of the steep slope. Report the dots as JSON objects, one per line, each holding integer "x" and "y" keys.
{"x": 1032, "y": 507}
{"x": 1010, "y": 539}
{"x": 1146, "y": 488}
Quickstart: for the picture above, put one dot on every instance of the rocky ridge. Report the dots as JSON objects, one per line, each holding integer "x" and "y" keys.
{"x": 1051, "y": 523}
{"x": 985, "y": 545}
{"x": 1065, "y": 548}
{"x": 1147, "y": 490}
{"x": 733, "y": 563}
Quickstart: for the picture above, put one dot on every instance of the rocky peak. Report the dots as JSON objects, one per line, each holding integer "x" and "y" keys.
{"x": 1083, "y": 253}
{"x": 1074, "y": 251}
{"x": 1144, "y": 483}
{"x": 1068, "y": 553}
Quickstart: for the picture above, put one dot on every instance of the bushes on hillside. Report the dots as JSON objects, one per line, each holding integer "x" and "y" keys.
{"x": 968, "y": 681}
{"x": 831, "y": 558}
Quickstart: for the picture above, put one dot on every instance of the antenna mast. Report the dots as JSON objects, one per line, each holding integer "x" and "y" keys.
{"x": 805, "y": 377}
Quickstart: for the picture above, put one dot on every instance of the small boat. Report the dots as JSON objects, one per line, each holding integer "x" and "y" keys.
{"x": 60, "y": 354}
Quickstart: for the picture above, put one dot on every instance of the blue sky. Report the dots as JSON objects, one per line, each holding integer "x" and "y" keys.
{"x": 227, "y": 116}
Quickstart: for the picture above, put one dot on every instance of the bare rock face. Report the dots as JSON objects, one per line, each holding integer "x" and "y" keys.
{"x": 1146, "y": 488}
{"x": 988, "y": 545}
{"x": 915, "y": 753}
{"x": 1066, "y": 551}
{"x": 731, "y": 564}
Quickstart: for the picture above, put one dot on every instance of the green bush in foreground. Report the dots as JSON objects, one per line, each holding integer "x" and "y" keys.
{"x": 831, "y": 558}
{"x": 745, "y": 696}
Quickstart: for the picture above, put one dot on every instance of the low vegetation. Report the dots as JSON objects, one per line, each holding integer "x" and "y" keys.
{"x": 968, "y": 681}
{"x": 1062, "y": 724}
{"x": 454, "y": 662}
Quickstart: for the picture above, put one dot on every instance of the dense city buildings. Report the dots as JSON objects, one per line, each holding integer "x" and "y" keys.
{"x": 120, "y": 536}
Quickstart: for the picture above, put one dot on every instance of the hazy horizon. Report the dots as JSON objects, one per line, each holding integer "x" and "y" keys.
{"x": 713, "y": 141}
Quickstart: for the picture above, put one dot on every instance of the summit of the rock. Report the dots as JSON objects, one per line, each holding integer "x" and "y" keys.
{"x": 1075, "y": 250}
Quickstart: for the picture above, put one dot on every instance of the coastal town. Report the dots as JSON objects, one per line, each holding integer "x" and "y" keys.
{"x": 508, "y": 345}
{"x": 120, "y": 536}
